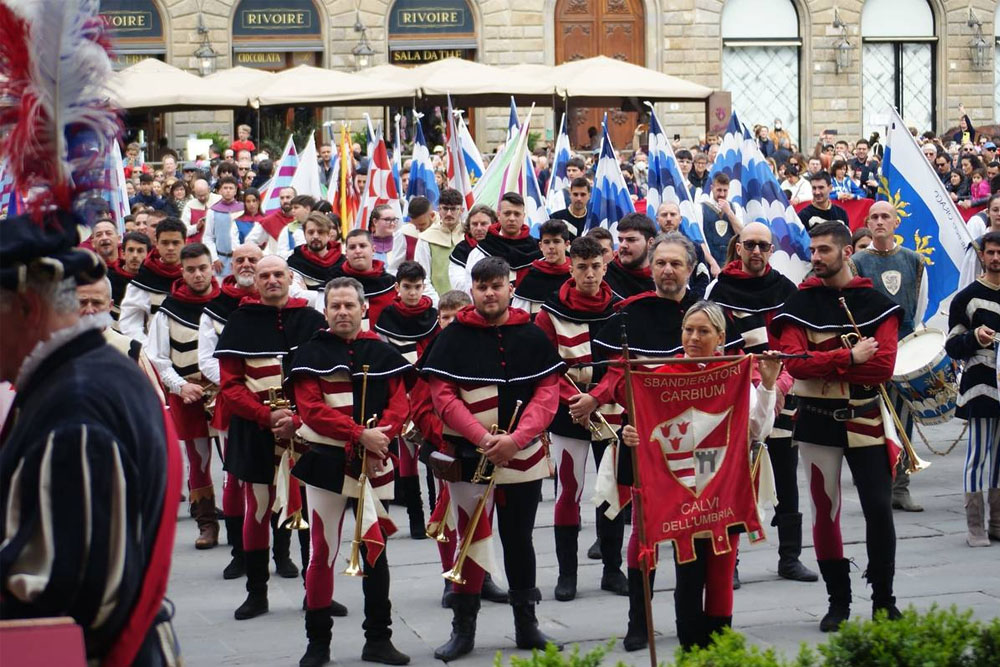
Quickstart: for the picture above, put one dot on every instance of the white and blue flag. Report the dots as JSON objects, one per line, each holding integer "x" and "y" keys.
{"x": 473, "y": 158}
{"x": 535, "y": 210}
{"x": 665, "y": 183}
{"x": 610, "y": 200}
{"x": 555, "y": 199}
{"x": 421, "y": 169}
{"x": 929, "y": 222}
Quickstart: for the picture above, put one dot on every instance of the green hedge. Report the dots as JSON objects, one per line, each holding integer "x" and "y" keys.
{"x": 936, "y": 638}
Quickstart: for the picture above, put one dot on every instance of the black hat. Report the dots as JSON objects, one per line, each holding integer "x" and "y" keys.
{"x": 49, "y": 245}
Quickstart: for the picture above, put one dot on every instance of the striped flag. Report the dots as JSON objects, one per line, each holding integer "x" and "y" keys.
{"x": 422, "y": 180}
{"x": 504, "y": 172}
{"x": 306, "y": 180}
{"x": 6, "y": 187}
{"x": 458, "y": 173}
{"x": 555, "y": 200}
{"x": 115, "y": 193}
{"x": 341, "y": 194}
{"x": 665, "y": 182}
{"x": 381, "y": 186}
{"x": 535, "y": 210}
{"x": 284, "y": 172}
{"x": 473, "y": 158}
{"x": 610, "y": 200}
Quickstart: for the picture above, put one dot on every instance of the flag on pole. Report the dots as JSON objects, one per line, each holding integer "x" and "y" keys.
{"x": 610, "y": 200}
{"x": 282, "y": 178}
{"x": 371, "y": 137}
{"x": 535, "y": 210}
{"x": 114, "y": 191}
{"x": 665, "y": 182}
{"x": 306, "y": 180}
{"x": 929, "y": 223}
{"x": 6, "y": 187}
{"x": 555, "y": 200}
{"x": 421, "y": 169}
{"x": 473, "y": 158}
{"x": 754, "y": 187}
{"x": 341, "y": 193}
{"x": 504, "y": 172}
{"x": 458, "y": 173}
{"x": 397, "y": 157}
{"x": 381, "y": 186}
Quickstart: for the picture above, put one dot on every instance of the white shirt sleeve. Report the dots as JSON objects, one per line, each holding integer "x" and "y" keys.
{"x": 208, "y": 339}
{"x": 970, "y": 268}
{"x": 457, "y": 277}
{"x": 134, "y": 312}
{"x": 470, "y": 263}
{"x": 429, "y": 291}
{"x": 422, "y": 256}
{"x": 761, "y": 412}
{"x": 208, "y": 238}
{"x": 158, "y": 351}
{"x": 523, "y": 304}
{"x": 397, "y": 254}
{"x": 257, "y": 235}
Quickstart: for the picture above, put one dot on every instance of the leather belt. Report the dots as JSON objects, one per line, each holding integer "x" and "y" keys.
{"x": 225, "y": 254}
{"x": 841, "y": 414}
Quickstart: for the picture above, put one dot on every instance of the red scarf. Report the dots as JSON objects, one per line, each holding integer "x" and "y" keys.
{"x": 816, "y": 281}
{"x": 275, "y": 223}
{"x": 551, "y": 269}
{"x": 471, "y": 317}
{"x": 635, "y": 297}
{"x": 326, "y": 262}
{"x": 644, "y": 272}
{"x": 293, "y": 302}
{"x": 735, "y": 269}
{"x": 408, "y": 311}
{"x": 119, "y": 267}
{"x": 523, "y": 234}
{"x": 157, "y": 266}
{"x": 231, "y": 288}
{"x": 471, "y": 240}
{"x": 378, "y": 268}
{"x": 180, "y": 291}
{"x": 579, "y": 301}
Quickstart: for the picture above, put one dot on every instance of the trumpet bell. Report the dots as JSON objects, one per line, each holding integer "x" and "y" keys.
{"x": 916, "y": 464}
{"x": 296, "y": 522}
{"x": 354, "y": 568}
{"x": 454, "y": 576}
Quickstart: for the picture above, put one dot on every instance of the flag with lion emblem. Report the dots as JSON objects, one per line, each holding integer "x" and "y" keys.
{"x": 693, "y": 454}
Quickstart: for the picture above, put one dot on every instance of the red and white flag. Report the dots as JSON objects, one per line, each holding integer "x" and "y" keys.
{"x": 458, "y": 172}
{"x": 381, "y": 186}
{"x": 694, "y": 467}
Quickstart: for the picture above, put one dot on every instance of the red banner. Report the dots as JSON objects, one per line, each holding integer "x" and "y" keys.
{"x": 693, "y": 455}
{"x": 857, "y": 210}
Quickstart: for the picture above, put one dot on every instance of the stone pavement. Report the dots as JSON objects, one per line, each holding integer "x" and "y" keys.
{"x": 934, "y": 566}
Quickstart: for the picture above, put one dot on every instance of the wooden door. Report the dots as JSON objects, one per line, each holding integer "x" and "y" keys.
{"x": 613, "y": 28}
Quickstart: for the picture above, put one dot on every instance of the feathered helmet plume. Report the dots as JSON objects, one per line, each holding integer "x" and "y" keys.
{"x": 56, "y": 125}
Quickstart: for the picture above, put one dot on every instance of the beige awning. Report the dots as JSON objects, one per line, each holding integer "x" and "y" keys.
{"x": 153, "y": 84}
{"x": 249, "y": 80}
{"x": 603, "y": 80}
{"x": 306, "y": 85}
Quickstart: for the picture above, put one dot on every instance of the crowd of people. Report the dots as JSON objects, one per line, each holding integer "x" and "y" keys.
{"x": 335, "y": 370}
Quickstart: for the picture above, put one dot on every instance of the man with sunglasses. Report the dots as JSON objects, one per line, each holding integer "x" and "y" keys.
{"x": 751, "y": 292}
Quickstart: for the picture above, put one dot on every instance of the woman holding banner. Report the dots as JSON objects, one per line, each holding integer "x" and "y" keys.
{"x": 703, "y": 597}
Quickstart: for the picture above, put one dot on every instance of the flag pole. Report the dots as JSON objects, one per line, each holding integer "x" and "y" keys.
{"x": 644, "y": 563}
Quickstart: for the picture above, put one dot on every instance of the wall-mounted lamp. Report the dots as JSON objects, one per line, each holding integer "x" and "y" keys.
{"x": 842, "y": 57}
{"x": 362, "y": 51}
{"x": 979, "y": 48}
{"x": 205, "y": 54}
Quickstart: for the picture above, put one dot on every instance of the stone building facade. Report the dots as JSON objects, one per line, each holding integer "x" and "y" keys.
{"x": 814, "y": 64}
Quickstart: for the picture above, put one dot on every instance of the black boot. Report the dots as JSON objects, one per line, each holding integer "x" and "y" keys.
{"x": 737, "y": 584}
{"x": 790, "y": 548}
{"x": 715, "y": 625}
{"x": 526, "y": 632}
{"x": 234, "y": 533}
{"x": 319, "y": 632}
{"x": 610, "y": 536}
{"x": 594, "y": 550}
{"x": 378, "y": 614}
{"x": 414, "y": 507}
{"x": 281, "y": 540}
{"x": 491, "y": 592}
{"x": 337, "y": 610}
{"x": 257, "y": 576}
{"x": 465, "y": 609}
{"x": 837, "y": 577}
{"x": 880, "y": 578}
{"x": 566, "y": 546}
{"x": 446, "y": 595}
{"x": 636, "y": 636}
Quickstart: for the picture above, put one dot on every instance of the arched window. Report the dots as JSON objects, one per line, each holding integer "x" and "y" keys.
{"x": 897, "y": 66}
{"x": 760, "y": 61}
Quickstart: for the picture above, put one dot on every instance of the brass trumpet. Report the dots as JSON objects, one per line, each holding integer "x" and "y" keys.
{"x": 354, "y": 566}
{"x": 485, "y": 472}
{"x": 600, "y": 431}
{"x": 849, "y": 340}
{"x": 277, "y": 400}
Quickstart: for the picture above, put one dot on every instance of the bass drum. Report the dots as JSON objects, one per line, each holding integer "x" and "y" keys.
{"x": 925, "y": 376}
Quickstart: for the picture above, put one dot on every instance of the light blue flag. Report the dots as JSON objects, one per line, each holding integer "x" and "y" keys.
{"x": 928, "y": 220}
{"x": 665, "y": 183}
{"x": 536, "y": 210}
{"x": 610, "y": 200}
{"x": 555, "y": 200}
{"x": 421, "y": 169}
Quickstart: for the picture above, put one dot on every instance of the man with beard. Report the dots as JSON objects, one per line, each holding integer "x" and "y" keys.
{"x": 471, "y": 392}
{"x": 221, "y": 234}
{"x": 751, "y": 293}
{"x": 173, "y": 349}
{"x": 575, "y": 215}
{"x": 254, "y": 351}
{"x": 152, "y": 284}
{"x": 629, "y": 273}
{"x": 436, "y": 243}
{"x": 271, "y": 232}
{"x": 135, "y": 247}
{"x": 840, "y": 415}
{"x": 370, "y": 272}
{"x": 104, "y": 240}
{"x": 547, "y": 274}
{"x": 317, "y": 261}
{"x": 359, "y": 372}
{"x": 570, "y": 318}
{"x": 720, "y": 218}
{"x": 193, "y": 215}
{"x": 510, "y": 239}
{"x": 898, "y": 274}
{"x": 476, "y": 227}
{"x": 821, "y": 208}
{"x": 668, "y": 219}
{"x": 653, "y": 323}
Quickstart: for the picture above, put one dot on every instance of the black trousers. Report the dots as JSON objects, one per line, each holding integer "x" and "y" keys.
{"x": 516, "y": 507}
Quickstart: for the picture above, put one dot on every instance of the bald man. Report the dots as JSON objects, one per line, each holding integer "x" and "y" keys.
{"x": 258, "y": 339}
{"x": 898, "y": 273}
{"x": 196, "y": 209}
{"x": 752, "y": 292}
{"x": 668, "y": 219}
